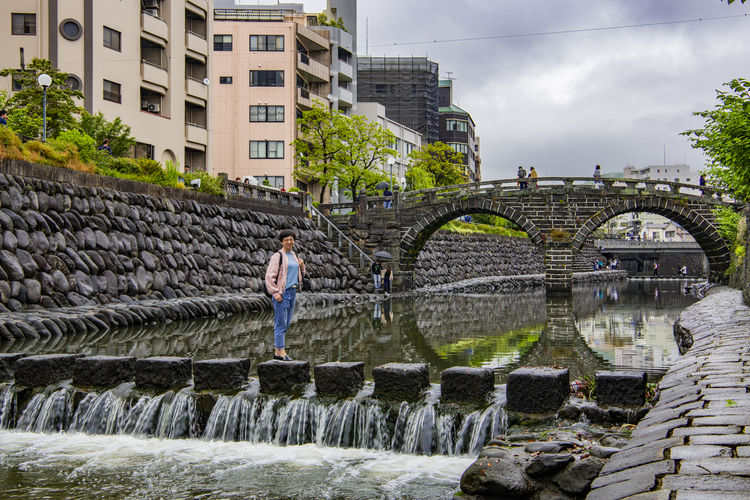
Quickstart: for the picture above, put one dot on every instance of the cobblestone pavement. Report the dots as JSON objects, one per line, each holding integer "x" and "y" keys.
{"x": 695, "y": 442}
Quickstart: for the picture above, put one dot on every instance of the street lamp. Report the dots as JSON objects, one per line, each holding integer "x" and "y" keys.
{"x": 391, "y": 161}
{"x": 45, "y": 81}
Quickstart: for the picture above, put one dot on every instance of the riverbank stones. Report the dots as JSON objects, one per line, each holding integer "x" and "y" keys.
{"x": 221, "y": 374}
{"x": 7, "y": 364}
{"x": 103, "y": 371}
{"x": 44, "y": 369}
{"x": 163, "y": 373}
{"x": 622, "y": 388}
{"x": 283, "y": 376}
{"x": 400, "y": 380}
{"x": 537, "y": 390}
{"x": 463, "y": 384}
{"x": 339, "y": 378}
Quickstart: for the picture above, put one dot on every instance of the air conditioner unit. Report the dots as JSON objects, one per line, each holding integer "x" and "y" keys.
{"x": 152, "y": 12}
{"x": 150, "y": 4}
{"x": 154, "y": 107}
{"x": 144, "y": 104}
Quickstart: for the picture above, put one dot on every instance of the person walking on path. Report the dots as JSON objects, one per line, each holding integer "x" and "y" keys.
{"x": 387, "y": 277}
{"x": 387, "y": 203}
{"x": 683, "y": 271}
{"x": 656, "y": 269}
{"x": 597, "y": 176}
{"x": 375, "y": 269}
{"x": 521, "y": 175}
{"x": 533, "y": 176}
{"x": 105, "y": 147}
{"x": 702, "y": 182}
{"x": 283, "y": 278}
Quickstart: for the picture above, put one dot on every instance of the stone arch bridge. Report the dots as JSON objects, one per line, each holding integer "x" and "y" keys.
{"x": 558, "y": 214}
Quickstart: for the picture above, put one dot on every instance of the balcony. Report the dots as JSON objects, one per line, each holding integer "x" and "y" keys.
{"x": 154, "y": 74}
{"x": 199, "y": 7}
{"x": 346, "y": 71}
{"x": 311, "y": 69}
{"x": 346, "y": 98}
{"x": 155, "y": 27}
{"x": 196, "y": 134}
{"x": 196, "y": 88}
{"x": 306, "y": 99}
{"x": 313, "y": 40}
{"x": 196, "y": 44}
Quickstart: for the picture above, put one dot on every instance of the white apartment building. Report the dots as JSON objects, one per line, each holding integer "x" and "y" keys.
{"x": 146, "y": 61}
{"x": 679, "y": 172}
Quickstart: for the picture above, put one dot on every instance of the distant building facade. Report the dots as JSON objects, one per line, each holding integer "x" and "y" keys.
{"x": 457, "y": 130}
{"x": 679, "y": 172}
{"x": 407, "y": 87}
{"x": 145, "y": 62}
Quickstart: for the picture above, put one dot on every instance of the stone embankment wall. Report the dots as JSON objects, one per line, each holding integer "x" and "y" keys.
{"x": 65, "y": 245}
{"x": 449, "y": 257}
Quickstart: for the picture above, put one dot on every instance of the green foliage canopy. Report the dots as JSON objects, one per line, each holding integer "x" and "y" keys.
{"x": 25, "y": 106}
{"x": 317, "y": 145}
{"x": 99, "y": 128}
{"x": 725, "y": 138}
{"x": 441, "y": 161}
{"x": 365, "y": 148}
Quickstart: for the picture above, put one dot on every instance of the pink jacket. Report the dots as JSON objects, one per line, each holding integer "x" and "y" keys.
{"x": 275, "y": 275}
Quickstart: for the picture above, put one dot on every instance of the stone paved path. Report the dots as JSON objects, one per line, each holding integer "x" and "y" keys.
{"x": 695, "y": 442}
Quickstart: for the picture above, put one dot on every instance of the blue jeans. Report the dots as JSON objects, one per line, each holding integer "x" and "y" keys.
{"x": 376, "y": 280}
{"x": 282, "y": 316}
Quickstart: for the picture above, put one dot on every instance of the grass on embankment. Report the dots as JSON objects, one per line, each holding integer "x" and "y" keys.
{"x": 459, "y": 227}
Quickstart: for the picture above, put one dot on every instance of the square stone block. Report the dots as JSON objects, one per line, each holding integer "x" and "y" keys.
{"x": 621, "y": 388}
{"x": 7, "y": 363}
{"x": 339, "y": 378}
{"x": 224, "y": 374}
{"x": 283, "y": 376}
{"x": 103, "y": 371}
{"x": 400, "y": 380}
{"x": 44, "y": 369}
{"x": 537, "y": 390}
{"x": 163, "y": 373}
{"x": 464, "y": 384}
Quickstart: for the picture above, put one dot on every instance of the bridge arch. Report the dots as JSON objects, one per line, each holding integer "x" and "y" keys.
{"x": 705, "y": 233}
{"x": 414, "y": 239}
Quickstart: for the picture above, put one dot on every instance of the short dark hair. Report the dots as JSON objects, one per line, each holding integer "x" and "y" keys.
{"x": 285, "y": 233}
{"x": 3, "y": 112}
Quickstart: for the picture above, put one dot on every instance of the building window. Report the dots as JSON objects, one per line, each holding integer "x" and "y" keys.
{"x": 408, "y": 148}
{"x": 457, "y": 125}
{"x": 276, "y": 181}
{"x": 266, "y": 113}
{"x": 112, "y": 39}
{"x": 143, "y": 150}
{"x": 225, "y": 80}
{"x": 273, "y": 43}
{"x": 459, "y": 148}
{"x": 16, "y": 84}
{"x": 260, "y": 78}
{"x": 23, "y": 24}
{"x": 112, "y": 91}
{"x": 71, "y": 29}
{"x": 223, "y": 43}
{"x": 267, "y": 149}
{"x": 73, "y": 82}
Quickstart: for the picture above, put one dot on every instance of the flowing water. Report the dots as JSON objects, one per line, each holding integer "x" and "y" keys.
{"x": 123, "y": 444}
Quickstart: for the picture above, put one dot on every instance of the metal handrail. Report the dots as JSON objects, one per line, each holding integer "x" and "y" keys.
{"x": 352, "y": 245}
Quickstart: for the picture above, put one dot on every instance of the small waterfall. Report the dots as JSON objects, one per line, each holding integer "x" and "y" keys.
{"x": 169, "y": 415}
{"x": 49, "y": 411}
{"x": 104, "y": 413}
{"x": 7, "y": 405}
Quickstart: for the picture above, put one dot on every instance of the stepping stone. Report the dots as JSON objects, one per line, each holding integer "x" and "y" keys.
{"x": 221, "y": 374}
{"x": 44, "y": 369}
{"x": 464, "y": 384}
{"x": 103, "y": 371}
{"x": 621, "y": 388}
{"x": 283, "y": 376}
{"x": 163, "y": 373}
{"x": 339, "y": 378}
{"x": 7, "y": 363}
{"x": 400, "y": 380}
{"x": 537, "y": 390}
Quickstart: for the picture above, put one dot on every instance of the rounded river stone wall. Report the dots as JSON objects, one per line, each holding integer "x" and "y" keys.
{"x": 63, "y": 245}
{"x": 449, "y": 257}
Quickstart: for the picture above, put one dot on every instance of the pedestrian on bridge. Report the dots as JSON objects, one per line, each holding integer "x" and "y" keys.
{"x": 656, "y": 269}
{"x": 597, "y": 176}
{"x": 522, "y": 175}
{"x": 533, "y": 176}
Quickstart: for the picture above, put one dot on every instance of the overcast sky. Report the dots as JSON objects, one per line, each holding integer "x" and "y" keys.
{"x": 565, "y": 102}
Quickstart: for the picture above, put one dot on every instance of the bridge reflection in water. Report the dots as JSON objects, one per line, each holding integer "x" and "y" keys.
{"x": 606, "y": 325}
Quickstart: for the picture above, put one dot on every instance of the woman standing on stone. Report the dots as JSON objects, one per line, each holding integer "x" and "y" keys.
{"x": 283, "y": 279}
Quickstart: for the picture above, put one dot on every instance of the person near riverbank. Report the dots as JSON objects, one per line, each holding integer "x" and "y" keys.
{"x": 522, "y": 184}
{"x": 683, "y": 271}
{"x": 702, "y": 182}
{"x": 105, "y": 147}
{"x": 387, "y": 203}
{"x": 387, "y": 277}
{"x": 656, "y": 269}
{"x": 283, "y": 279}
{"x": 376, "y": 269}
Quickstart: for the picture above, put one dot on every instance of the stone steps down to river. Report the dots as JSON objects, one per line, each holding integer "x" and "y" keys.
{"x": 66, "y": 245}
{"x": 448, "y": 257}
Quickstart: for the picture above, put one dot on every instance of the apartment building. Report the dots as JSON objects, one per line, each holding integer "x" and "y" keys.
{"x": 457, "y": 130}
{"x": 678, "y": 172}
{"x": 145, "y": 61}
{"x": 271, "y": 63}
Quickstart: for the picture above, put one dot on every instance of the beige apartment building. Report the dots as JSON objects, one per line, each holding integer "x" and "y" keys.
{"x": 146, "y": 61}
{"x": 270, "y": 63}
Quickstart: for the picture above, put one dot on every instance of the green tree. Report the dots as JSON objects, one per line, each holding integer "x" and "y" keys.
{"x": 25, "y": 106}
{"x": 440, "y": 160}
{"x": 418, "y": 178}
{"x": 317, "y": 145}
{"x": 99, "y": 128}
{"x": 365, "y": 147}
{"x": 725, "y": 138}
